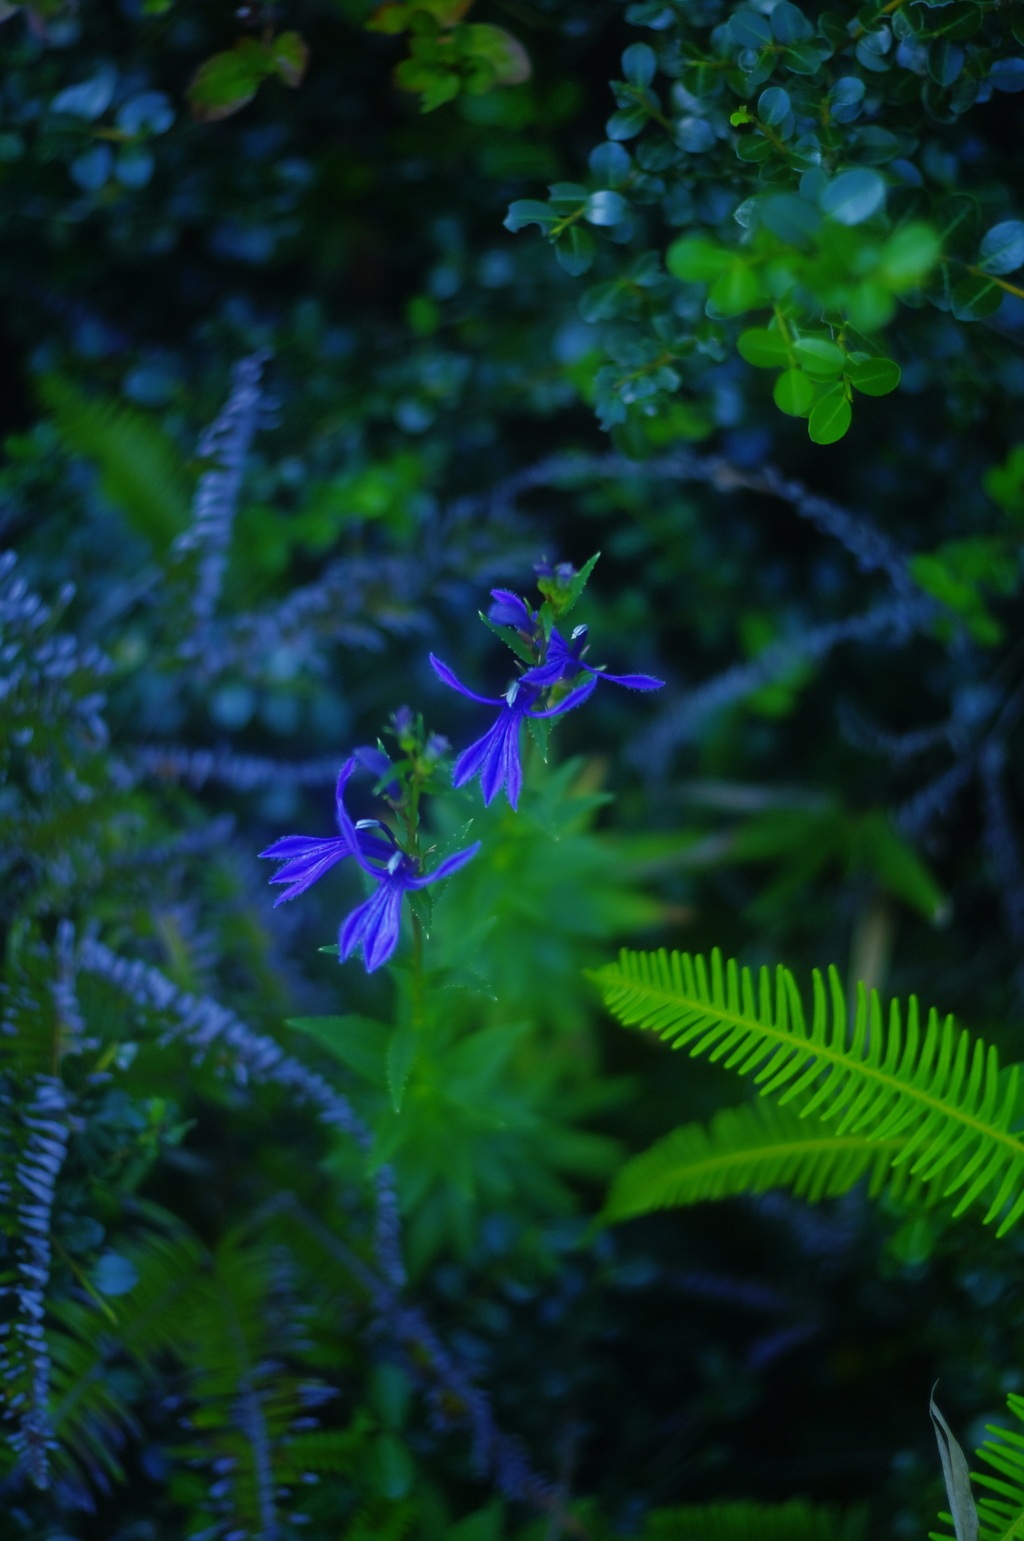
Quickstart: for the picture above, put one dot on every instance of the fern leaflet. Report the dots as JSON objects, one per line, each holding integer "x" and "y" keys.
{"x": 796, "y": 1520}
{"x": 1000, "y": 1516}
{"x": 939, "y": 1092}
{"x": 748, "y": 1150}
{"x": 140, "y": 469}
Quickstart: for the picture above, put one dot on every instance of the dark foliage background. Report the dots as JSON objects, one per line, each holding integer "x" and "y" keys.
{"x": 223, "y": 1363}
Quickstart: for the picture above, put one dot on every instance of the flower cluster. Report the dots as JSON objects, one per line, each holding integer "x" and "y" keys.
{"x": 554, "y": 679}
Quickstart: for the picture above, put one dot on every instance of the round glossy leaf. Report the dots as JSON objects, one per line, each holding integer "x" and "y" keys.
{"x": 945, "y": 61}
{"x": 793, "y": 393}
{"x": 575, "y": 250}
{"x": 651, "y": 13}
{"x": 1002, "y": 247}
{"x": 639, "y": 64}
{"x": 134, "y": 167}
{"x": 773, "y": 106}
{"x": 789, "y": 24}
{"x": 748, "y": 29}
{"x": 845, "y": 99}
{"x": 149, "y": 111}
{"x": 610, "y": 163}
{"x": 753, "y": 147}
{"x": 871, "y": 51}
{"x": 694, "y": 135}
{"x": 1007, "y": 75}
{"x": 92, "y": 169}
{"x": 854, "y": 196}
{"x": 793, "y": 219}
{"x": 697, "y": 262}
{"x": 804, "y": 58}
{"x": 956, "y": 220}
{"x": 974, "y": 298}
{"x": 875, "y": 376}
{"x": 627, "y": 123}
{"x": 961, "y": 21}
{"x": 908, "y": 256}
{"x": 735, "y": 291}
{"x": 657, "y": 154}
{"x": 677, "y": 206}
{"x": 819, "y": 356}
{"x": 91, "y": 98}
{"x": 875, "y": 145}
{"x": 114, "y": 1274}
{"x": 830, "y": 418}
{"x": 606, "y": 208}
{"x": 763, "y": 349}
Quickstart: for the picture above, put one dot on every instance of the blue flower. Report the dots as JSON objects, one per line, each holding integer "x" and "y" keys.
{"x": 564, "y": 661}
{"x": 495, "y": 756}
{"x": 374, "y": 925}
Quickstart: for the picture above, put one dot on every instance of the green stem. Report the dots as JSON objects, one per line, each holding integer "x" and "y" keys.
{"x": 418, "y": 991}
{"x": 1010, "y": 288}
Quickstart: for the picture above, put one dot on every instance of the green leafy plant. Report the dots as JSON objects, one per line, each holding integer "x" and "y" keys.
{"x": 228, "y": 81}
{"x": 936, "y": 1093}
{"x": 449, "y": 56}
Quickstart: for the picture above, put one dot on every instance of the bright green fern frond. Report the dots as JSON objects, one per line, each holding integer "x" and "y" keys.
{"x": 796, "y": 1520}
{"x": 939, "y": 1091}
{"x": 748, "y": 1150}
{"x": 1001, "y": 1511}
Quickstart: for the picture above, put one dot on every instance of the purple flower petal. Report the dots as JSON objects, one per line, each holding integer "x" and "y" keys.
{"x": 375, "y": 926}
{"x": 304, "y": 871}
{"x": 632, "y": 681}
{"x": 509, "y": 610}
{"x": 446, "y": 676}
{"x": 447, "y": 867}
{"x": 558, "y": 660}
{"x": 470, "y": 760}
{"x": 495, "y": 758}
{"x": 290, "y": 846}
{"x": 574, "y": 698}
{"x": 357, "y": 839}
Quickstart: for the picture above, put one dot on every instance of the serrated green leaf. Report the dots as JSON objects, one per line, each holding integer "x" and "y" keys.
{"x": 510, "y": 638}
{"x": 578, "y": 584}
{"x": 403, "y": 1046}
{"x": 358, "y": 1042}
{"x": 540, "y": 732}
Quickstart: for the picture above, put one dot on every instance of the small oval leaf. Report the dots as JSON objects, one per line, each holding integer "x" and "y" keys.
{"x": 854, "y": 196}
{"x": 793, "y": 393}
{"x": 875, "y": 376}
{"x": 763, "y": 349}
{"x": 830, "y": 418}
{"x": 819, "y": 356}
{"x": 1002, "y": 247}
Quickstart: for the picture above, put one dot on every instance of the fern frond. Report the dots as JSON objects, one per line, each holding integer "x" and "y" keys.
{"x": 140, "y": 469}
{"x": 1000, "y": 1516}
{"x": 748, "y": 1150}
{"x": 795, "y": 1520}
{"x": 939, "y": 1091}
{"x": 382, "y": 1520}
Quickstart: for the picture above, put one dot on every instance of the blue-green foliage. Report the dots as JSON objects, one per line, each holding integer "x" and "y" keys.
{"x": 219, "y": 1150}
